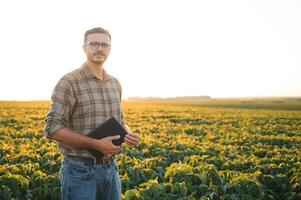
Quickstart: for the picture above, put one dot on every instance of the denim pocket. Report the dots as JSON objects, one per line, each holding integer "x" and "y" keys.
{"x": 79, "y": 171}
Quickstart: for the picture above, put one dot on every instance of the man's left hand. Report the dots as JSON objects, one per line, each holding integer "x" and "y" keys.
{"x": 131, "y": 139}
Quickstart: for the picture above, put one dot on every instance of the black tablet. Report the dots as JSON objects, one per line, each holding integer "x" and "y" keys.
{"x": 110, "y": 127}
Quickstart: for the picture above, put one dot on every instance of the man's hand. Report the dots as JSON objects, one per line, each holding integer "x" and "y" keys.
{"x": 77, "y": 140}
{"x": 131, "y": 139}
{"x": 106, "y": 146}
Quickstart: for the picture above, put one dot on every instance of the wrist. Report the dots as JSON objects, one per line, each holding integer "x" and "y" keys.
{"x": 90, "y": 143}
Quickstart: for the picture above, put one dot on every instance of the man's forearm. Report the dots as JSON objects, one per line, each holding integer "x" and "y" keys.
{"x": 73, "y": 139}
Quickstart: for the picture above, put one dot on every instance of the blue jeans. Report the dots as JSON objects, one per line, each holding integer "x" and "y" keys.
{"x": 81, "y": 181}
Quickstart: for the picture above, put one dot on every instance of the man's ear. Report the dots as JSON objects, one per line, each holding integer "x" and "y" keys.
{"x": 84, "y": 48}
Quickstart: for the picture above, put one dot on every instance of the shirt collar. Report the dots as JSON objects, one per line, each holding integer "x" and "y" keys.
{"x": 89, "y": 74}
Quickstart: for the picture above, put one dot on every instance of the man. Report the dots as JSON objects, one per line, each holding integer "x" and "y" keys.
{"x": 81, "y": 100}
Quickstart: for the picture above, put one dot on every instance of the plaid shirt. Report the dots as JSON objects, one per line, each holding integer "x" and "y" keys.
{"x": 80, "y": 101}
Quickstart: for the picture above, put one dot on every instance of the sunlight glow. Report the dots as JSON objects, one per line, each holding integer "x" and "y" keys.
{"x": 159, "y": 48}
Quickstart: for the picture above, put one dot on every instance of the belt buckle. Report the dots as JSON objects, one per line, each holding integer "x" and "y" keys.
{"x": 106, "y": 160}
{"x": 100, "y": 161}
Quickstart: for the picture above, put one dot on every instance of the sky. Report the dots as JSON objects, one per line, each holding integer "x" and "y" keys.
{"x": 160, "y": 48}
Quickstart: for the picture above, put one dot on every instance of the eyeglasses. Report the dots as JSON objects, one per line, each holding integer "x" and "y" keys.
{"x": 96, "y": 45}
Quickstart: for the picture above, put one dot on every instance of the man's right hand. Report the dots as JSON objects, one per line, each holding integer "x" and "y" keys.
{"x": 106, "y": 146}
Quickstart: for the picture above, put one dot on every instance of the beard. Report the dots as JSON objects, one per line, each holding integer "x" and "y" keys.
{"x": 99, "y": 58}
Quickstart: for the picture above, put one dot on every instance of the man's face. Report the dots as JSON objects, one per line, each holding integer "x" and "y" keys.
{"x": 97, "y": 47}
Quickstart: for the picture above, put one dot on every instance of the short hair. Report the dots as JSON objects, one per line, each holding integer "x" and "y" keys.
{"x": 96, "y": 30}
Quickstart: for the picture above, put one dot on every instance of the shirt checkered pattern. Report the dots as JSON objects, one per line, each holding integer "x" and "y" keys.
{"x": 81, "y": 101}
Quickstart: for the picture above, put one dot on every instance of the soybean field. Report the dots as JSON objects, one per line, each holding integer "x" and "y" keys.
{"x": 211, "y": 149}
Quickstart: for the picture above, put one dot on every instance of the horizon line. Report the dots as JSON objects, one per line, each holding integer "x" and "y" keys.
{"x": 174, "y": 97}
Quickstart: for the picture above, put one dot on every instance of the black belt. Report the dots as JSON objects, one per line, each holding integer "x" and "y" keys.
{"x": 91, "y": 161}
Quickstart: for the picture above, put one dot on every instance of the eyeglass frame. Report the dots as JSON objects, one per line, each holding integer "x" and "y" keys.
{"x": 103, "y": 45}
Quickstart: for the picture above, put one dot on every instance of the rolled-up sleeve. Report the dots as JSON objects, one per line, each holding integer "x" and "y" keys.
{"x": 62, "y": 103}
